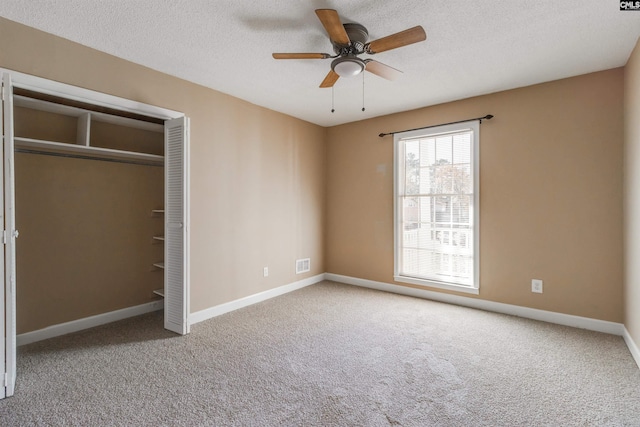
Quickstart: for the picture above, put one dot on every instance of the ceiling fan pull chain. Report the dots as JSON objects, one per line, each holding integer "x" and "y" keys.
{"x": 332, "y": 102}
{"x": 362, "y": 91}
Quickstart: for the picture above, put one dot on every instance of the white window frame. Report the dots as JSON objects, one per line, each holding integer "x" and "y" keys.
{"x": 398, "y": 156}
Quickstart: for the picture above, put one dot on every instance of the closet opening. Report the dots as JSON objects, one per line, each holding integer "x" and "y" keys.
{"x": 99, "y": 189}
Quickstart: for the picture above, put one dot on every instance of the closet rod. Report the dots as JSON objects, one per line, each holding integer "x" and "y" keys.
{"x": 80, "y": 156}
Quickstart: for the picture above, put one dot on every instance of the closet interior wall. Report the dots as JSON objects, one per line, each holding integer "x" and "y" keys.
{"x": 86, "y": 242}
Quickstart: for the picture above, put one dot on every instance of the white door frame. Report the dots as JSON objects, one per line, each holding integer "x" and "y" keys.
{"x": 75, "y": 93}
{"x": 62, "y": 90}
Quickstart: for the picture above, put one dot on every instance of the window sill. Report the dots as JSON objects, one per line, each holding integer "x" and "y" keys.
{"x": 438, "y": 285}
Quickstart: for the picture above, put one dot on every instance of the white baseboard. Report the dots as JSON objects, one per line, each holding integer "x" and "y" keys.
{"x": 87, "y": 322}
{"x": 633, "y": 347}
{"x": 514, "y": 310}
{"x": 208, "y": 313}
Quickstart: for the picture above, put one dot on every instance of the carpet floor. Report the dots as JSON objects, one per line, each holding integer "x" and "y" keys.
{"x": 329, "y": 355}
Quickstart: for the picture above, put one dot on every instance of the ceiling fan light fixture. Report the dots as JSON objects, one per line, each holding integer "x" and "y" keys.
{"x": 348, "y": 66}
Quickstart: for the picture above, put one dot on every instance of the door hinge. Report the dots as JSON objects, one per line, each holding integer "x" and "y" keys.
{"x": 6, "y": 379}
{"x": 2, "y": 92}
{"x": 4, "y": 237}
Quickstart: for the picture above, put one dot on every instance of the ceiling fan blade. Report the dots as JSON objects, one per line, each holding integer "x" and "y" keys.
{"x": 330, "y": 80}
{"x": 382, "y": 70}
{"x": 403, "y": 38}
{"x": 300, "y": 55}
{"x": 331, "y": 22}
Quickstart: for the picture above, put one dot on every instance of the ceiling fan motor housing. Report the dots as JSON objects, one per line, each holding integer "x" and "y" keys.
{"x": 348, "y": 64}
{"x": 358, "y": 35}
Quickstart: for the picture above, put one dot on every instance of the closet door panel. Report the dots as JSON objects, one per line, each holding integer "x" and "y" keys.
{"x": 9, "y": 238}
{"x": 176, "y": 302}
{"x": 3, "y": 295}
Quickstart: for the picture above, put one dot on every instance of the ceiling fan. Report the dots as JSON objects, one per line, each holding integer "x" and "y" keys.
{"x": 350, "y": 40}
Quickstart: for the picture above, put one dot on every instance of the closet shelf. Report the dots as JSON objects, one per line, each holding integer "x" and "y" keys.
{"x": 159, "y": 265}
{"x": 58, "y": 147}
{"x": 159, "y": 292}
{"x": 52, "y": 107}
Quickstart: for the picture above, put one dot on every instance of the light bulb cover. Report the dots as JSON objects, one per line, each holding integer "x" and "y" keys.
{"x": 348, "y": 66}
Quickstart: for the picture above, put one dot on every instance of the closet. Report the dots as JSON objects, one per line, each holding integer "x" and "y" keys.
{"x": 98, "y": 186}
{"x": 86, "y": 183}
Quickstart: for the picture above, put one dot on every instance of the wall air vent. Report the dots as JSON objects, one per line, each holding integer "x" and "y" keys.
{"x": 303, "y": 265}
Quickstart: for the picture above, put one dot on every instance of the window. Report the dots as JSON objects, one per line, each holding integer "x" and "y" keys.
{"x": 436, "y": 207}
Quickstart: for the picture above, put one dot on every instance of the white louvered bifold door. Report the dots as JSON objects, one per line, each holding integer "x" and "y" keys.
{"x": 176, "y": 289}
{"x": 8, "y": 249}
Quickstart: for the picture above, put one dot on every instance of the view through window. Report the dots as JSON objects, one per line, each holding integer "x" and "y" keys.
{"x": 436, "y": 206}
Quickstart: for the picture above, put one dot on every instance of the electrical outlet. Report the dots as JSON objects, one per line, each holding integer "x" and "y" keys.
{"x": 536, "y": 286}
{"x": 265, "y": 271}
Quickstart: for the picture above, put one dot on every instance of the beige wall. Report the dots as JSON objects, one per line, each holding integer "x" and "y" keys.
{"x": 257, "y": 176}
{"x": 550, "y": 194}
{"x": 632, "y": 195}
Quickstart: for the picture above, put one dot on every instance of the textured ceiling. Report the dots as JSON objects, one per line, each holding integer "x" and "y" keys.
{"x": 472, "y": 47}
